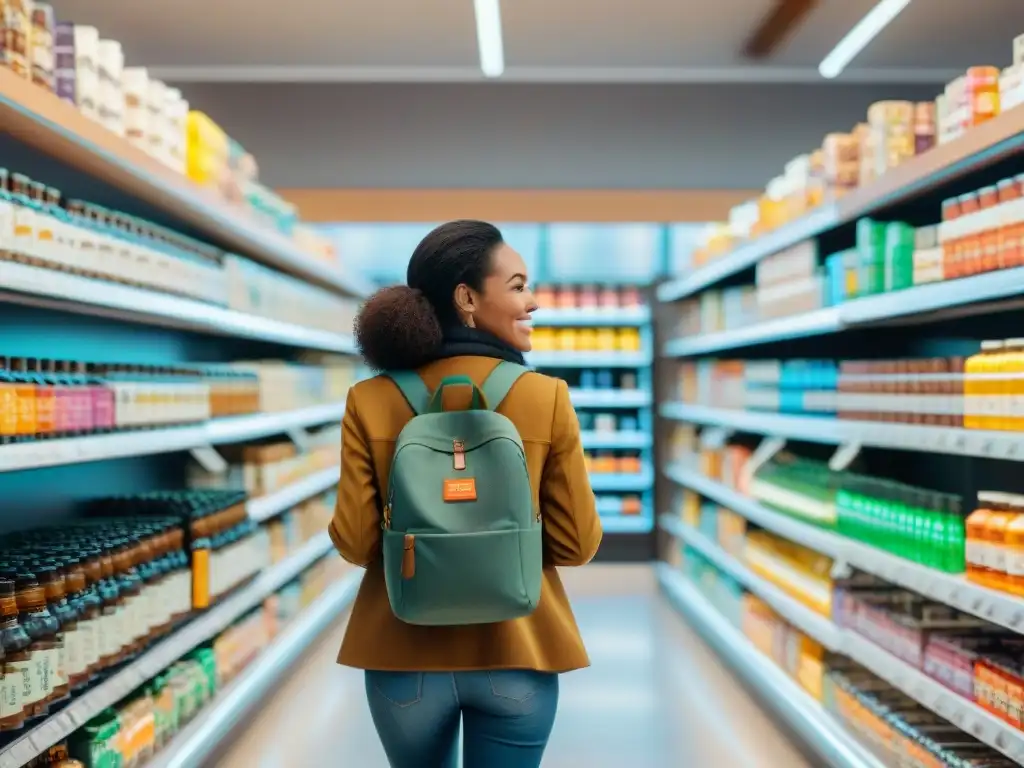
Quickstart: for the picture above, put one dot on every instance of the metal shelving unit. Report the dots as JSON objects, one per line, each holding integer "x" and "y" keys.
{"x": 979, "y": 148}
{"x": 937, "y": 301}
{"x": 244, "y": 695}
{"x": 796, "y": 613}
{"x": 35, "y": 286}
{"x": 59, "y": 130}
{"x": 269, "y": 506}
{"x": 121, "y": 684}
{"x": 816, "y": 727}
{"x": 994, "y": 606}
{"x": 608, "y": 485}
{"x": 962, "y": 712}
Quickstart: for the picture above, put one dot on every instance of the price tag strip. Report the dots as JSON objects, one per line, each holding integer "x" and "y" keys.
{"x": 865, "y": 434}
{"x": 142, "y": 442}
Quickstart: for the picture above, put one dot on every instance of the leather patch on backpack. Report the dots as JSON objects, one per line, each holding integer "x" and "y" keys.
{"x": 461, "y": 489}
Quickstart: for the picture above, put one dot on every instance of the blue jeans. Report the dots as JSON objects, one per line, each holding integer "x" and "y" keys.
{"x": 508, "y": 716}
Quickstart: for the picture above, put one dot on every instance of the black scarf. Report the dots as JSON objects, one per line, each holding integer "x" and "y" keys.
{"x": 459, "y": 341}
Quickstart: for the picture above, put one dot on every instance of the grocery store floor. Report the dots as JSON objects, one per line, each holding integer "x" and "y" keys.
{"x": 655, "y": 697}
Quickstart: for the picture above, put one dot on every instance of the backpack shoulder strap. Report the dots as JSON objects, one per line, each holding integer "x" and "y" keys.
{"x": 412, "y": 388}
{"x": 498, "y": 383}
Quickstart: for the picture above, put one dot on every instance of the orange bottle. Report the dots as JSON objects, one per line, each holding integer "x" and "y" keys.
{"x": 975, "y": 551}
{"x": 25, "y": 390}
{"x": 990, "y": 385}
{"x": 976, "y": 369}
{"x": 1014, "y": 545}
{"x": 994, "y": 536}
{"x": 46, "y": 400}
{"x": 1013, "y": 386}
{"x": 8, "y": 404}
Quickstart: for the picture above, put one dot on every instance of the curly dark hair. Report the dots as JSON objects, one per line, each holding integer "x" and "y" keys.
{"x": 402, "y": 327}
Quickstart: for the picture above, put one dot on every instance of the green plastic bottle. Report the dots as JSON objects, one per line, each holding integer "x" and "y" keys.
{"x": 956, "y": 535}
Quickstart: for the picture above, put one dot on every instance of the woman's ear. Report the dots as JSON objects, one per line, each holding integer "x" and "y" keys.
{"x": 464, "y": 300}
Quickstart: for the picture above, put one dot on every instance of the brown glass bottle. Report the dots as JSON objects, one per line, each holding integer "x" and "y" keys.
{"x": 130, "y": 588}
{"x": 52, "y": 581}
{"x": 58, "y": 597}
{"x": 16, "y": 660}
{"x": 42, "y": 629}
{"x": 92, "y": 609}
{"x": 110, "y": 635}
{"x": 79, "y": 671}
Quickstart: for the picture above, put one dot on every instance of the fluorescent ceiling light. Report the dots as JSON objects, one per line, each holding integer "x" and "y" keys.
{"x": 857, "y": 39}
{"x": 488, "y": 37}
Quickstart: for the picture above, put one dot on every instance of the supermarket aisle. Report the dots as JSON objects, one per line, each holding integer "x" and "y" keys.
{"x": 655, "y": 697}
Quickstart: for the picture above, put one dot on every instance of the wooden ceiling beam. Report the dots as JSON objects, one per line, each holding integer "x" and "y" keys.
{"x": 781, "y": 22}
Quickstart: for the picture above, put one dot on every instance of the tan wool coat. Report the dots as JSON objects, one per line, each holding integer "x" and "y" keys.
{"x": 547, "y": 640}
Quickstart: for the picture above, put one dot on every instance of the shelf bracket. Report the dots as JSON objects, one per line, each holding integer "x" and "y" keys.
{"x": 764, "y": 453}
{"x": 300, "y": 437}
{"x": 209, "y": 459}
{"x": 840, "y": 569}
{"x": 715, "y": 438}
{"x": 844, "y": 456}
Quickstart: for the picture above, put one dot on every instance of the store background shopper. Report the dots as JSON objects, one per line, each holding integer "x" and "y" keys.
{"x": 466, "y": 308}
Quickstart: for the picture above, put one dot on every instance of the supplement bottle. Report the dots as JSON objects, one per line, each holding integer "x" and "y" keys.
{"x": 52, "y": 582}
{"x": 8, "y": 404}
{"x": 994, "y": 533}
{"x": 1012, "y": 381}
{"x": 1015, "y": 553}
{"x": 42, "y": 629}
{"x": 17, "y": 661}
{"x": 976, "y": 551}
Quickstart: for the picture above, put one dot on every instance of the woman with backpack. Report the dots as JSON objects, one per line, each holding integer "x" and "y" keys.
{"x": 463, "y": 486}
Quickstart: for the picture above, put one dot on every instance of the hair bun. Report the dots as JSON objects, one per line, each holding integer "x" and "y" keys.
{"x": 397, "y": 329}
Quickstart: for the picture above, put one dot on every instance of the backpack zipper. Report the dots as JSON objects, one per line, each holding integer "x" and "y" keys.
{"x": 458, "y": 455}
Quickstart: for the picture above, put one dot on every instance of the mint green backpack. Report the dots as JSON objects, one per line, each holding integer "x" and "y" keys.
{"x": 462, "y": 538}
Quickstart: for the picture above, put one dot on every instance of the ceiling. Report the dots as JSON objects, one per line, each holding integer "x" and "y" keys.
{"x": 544, "y": 40}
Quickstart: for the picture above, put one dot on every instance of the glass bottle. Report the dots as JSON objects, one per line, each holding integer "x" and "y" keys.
{"x": 17, "y": 661}
{"x": 42, "y": 629}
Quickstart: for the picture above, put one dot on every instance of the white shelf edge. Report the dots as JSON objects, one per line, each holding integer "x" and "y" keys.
{"x": 74, "y": 450}
{"x": 820, "y": 321}
{"x": 589, "y": 359}
{"x": 641, "y": 523}
{"x": 26, "y": 284}
{"x": 243, "y": 695}
{"x": 816, "y": 727}
{"x": 931, "y": 694}
{"x": 814, "y": 624}
{"x": 273, "y": 504}
{"x": 621, "y": 440}
{"x": 200, "y": 629}
{"x": 611, "y": 398}
{"x": 595, "y": 317}
{"x": 747, "y": 254}
{"x": 619, "y": 482}
{"x": 828, "y": 430}
{"x": 819, "y": 540}
{"x": 989, "y": 604}
{"x": 937, "y": 300}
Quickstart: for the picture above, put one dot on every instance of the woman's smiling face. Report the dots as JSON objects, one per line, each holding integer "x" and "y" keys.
{"x": 503, "y": 306}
